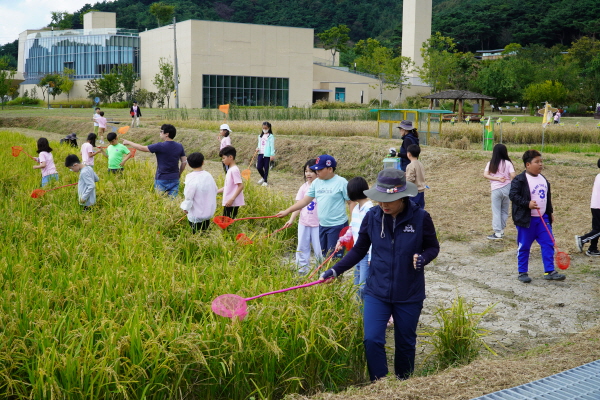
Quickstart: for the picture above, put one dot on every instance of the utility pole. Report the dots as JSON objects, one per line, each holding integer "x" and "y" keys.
{"x": 176, "y": 69}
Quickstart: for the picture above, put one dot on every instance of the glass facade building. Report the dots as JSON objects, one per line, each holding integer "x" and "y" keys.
{"x": 244, "y": 91}
{"x": 89, "y": 52}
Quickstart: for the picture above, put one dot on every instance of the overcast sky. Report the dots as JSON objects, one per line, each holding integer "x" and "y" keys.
{"x": 19, "y": 15}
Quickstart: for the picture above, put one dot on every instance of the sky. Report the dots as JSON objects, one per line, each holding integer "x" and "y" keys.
{"x": 19, "y": 15}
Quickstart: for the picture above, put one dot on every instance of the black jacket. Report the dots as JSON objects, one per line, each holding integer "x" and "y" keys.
{"x": 392, "y": 277}
{"x": 139, "y": 112}
{"x": 407, "y": 140}
{"x": 520, "y": 196}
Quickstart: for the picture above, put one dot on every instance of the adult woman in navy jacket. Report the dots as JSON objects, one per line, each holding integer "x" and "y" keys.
{"x": 403, "y": 240}
{"x": 409, "y": 136}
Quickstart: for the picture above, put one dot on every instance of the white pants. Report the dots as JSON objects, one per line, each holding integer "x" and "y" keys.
{"x": 307, "y": 236}
{"x": 136, "y": 120}
{"x": 500, "y": 204}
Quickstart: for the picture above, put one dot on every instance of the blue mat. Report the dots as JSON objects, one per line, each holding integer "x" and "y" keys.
{"x": 581, "y": 383}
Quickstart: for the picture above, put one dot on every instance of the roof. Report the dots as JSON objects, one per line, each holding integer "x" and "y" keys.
{"x": 458, "y": 94}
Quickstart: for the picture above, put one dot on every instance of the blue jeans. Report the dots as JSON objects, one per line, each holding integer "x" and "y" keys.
{"x": 328, "y": 236}
{"x": 46, "y": 179}
{"x": 361, "y": 272}
{"x": 376, "y": 316}
{"x": 525, "y": 238}
{"x": 170, "y": 186}
{"x": 419, "y": 199}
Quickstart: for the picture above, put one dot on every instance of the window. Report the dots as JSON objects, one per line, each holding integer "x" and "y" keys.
{"x": 340, "y": 94}
{"x": 244, "y": 91}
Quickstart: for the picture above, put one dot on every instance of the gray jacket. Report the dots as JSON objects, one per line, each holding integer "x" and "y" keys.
{"x": 87, "y": 185}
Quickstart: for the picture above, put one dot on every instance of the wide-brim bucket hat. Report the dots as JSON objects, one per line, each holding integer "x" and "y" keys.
{"x": 407, "y": 125}
{"x": 391, "y": 185}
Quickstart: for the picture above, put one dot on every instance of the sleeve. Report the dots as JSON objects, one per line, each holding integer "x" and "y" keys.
{"x": 511, "y": 167}
{"x": 87, "y": 181}
{"x": 43, "y": 157}
{"x": 359, "y": 251}
{"x": 154, "y": 148}
{"x": 237, "y": 176}
{"x": 487, "y": 168}
{"x": 301, "y": 193}
{"x": 345, "y": 190}
{"x": 188, "y": 191}
{"x": 549, "y": 208}
{"x": 431, "y": 246}
{"x": 95, "y": 176}
{"x": 139, "y": 111}
{"x": 125, "y": 150}
{"x": 311, "y": 189}
{"x": 411, "y": 173}
{"x": 273, "y": 144}
{"x": 515, "y": 192}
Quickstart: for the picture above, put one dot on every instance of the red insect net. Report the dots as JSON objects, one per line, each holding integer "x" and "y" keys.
{"x": 230, "y": 306}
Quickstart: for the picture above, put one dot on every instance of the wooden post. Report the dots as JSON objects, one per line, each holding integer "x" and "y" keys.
{"x": 431, "y": 104}
{"x": 460, "y": 110}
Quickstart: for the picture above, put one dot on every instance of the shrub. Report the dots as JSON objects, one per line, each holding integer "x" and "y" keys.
{"x": 27, "y": 101}
{"x": 119, "y": 104}
{"x": 328, "y": 105}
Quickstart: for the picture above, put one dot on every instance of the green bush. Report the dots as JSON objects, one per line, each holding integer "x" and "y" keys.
{"x": 27, "y": 101}
{"x": 329, "y": 105}
{"x": 119, "y": 104}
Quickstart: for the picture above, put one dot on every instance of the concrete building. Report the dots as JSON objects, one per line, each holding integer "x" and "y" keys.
{"x": 218, "y": 62}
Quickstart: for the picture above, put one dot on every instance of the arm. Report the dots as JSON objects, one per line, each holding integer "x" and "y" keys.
{"x": 358, "y": 252}
{"x": 40, "y": 165}
{"x": 411, "y": 174}
{"x": 127, "y": 157}
{"x": 183, "y": 160}
{"x": 431, "y": 246}
{"x": 189, "y": 192}
{"x": 486, "y": 174}
{"x": 515, "y": 195}
{"x": 292, "y": 219}
{"x": 296, "y": 207}
{"x": 136, "y": 146}
{"x": 229, "y": 202}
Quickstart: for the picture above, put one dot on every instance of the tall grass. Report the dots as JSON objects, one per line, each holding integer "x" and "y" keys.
{"x": 115, "y": 303}
{"x": 279, "y": 114}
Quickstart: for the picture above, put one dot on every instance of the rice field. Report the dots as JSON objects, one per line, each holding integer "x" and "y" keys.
{"x": 115, "y": 303}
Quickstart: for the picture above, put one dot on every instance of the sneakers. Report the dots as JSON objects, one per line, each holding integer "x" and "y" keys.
{"x": 554, "y": 276}
{"x": 495, "y": 236}
{"x": 261, "y": 181}
{"x": 524, "y": 277}
{"x": 265, "y": 184}
{"x": 579, "y": 243}
{"x": 592, "y": 253}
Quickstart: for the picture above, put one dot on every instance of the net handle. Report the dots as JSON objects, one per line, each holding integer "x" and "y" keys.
{"x": 284, "y": 290}
{"x": 546, "y": 226}
{"x": 242, "y": 219}
{"x": 323, "y": 263}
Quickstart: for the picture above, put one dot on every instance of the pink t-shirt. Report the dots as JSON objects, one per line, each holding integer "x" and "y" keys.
{"x": 308, "y": 215}
{"x": 595, "y": 203}
{"x": 538, "y": 188}
{"x": 50, "y": 168}
{"x": 101, "y": 122}
{"x": 87, "y": 148}
{"x": 225, "y": 141}
{"x": 505, "y": 168}
{"x": 233, "y": 177}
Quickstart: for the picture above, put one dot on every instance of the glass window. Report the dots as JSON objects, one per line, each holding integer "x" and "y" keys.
{"x": 227, "y": 81}
{"x": 213, "y": 81}
{"x": 220, "y": 81}
{"x": 244, "y": 90}
{"x": 205, "y": 81}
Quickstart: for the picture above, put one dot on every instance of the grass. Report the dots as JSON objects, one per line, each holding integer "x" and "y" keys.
{"x": 115, "y": 303}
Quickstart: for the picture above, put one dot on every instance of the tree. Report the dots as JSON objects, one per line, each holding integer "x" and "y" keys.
{"x": 551, "y": 91}
{"x": 164, "y": 81}
{"x": 335, "y": 39}
{"x": 61, "y": 20}
{"x": 128, "y": 77}
{"x": 92, "y": 89}
{"x": 396, "y": 72}
{"x": 51, "y": 82}
{"x": 6, "y": 77}
{"x": 67, "y": 82}
{"x": 439, "y": 62}
{"x": 584, "y": 50}
{"x": 108, "y": 86}
{"x": 163, "y": 12}
{"x": 373, "y": 59}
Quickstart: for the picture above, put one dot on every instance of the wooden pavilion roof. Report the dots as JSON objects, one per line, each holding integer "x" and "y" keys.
{"x": 458, "y": 94}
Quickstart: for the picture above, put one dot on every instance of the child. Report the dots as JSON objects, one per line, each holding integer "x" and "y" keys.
{"x": 135, "y": 113}
{"x": 116, "y": 153}
{"x": 331, "y": 192}
{"x": 95, "y": 119}
{"x": 415, "y": 173}
{"x": 356, "y": 189}
{"x": 46, "y": 162}
{"x": 500, "y": 172}
{"x": 200, "y": 194}
{"x": 266, "y": 152}
{"x": 86, "y": 187}
{"x": 101, "y": 125}
{"x": 224, "y": 140}
{"x": 87, "y": 150}
{"x": 233, "y": 195}
{"x": 531, "y": 197}
{"x": 593, "y": 235}
{"x": 308, "y": 226}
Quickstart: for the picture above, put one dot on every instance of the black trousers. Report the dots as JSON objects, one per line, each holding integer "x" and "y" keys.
{"x": 593, "y": 235}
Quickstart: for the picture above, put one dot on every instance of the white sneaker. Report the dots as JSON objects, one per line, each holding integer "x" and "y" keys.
{"x": 261, "y": 181}
{"x": 265, "y": 184}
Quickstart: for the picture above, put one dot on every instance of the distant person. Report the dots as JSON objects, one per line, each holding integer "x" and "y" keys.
{"x": 101, "y": 125}
{"x": 531, "y": 197}
{"x": 415, "y": 173}
{"x": 500, "y": 109}
{"x": 266, "y": 152}
{"x": 116, "y": 153}
{"x": 46, "y": 162}
{"x": 224, "y": 140}
{"x": 233, "y": 188}
{"x": 403, "y": 241}
{"x": 95, "y": 119}
{"x": 200, "y": 194}
{"x": 86, "y": 186}
{"x": 592, "y": 236}
{"x": 135, "y": 113}
{"x": 87, "y": 150}
{"x": 500, "y": 172}
{"x": 331, "y": 192}
{"x": 308, "y": 225}
{"x": 557, "y": 117}
{"x": 170, "y": 160}
{"x": 409, "y": 136}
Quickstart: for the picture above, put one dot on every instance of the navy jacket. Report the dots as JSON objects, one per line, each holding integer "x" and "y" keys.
{"x": 407, "y": 140}
{"x": 521, "y": 196}
{"x": 392, "y": 276}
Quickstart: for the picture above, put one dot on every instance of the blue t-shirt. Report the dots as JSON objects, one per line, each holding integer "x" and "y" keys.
{"x": 331, "y": 197}
{"x": 168, "y": 155}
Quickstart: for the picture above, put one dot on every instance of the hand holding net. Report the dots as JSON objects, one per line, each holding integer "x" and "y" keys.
{"x": 562, "y": 259}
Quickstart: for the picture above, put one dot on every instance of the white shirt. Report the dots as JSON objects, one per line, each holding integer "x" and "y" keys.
{"x": 200, "y": 196}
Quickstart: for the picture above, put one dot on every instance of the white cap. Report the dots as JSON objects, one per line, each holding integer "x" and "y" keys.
{"x": 225, "y": 126}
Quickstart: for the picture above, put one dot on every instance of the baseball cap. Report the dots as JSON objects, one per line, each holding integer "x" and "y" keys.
{"x": 324, "y": 161}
